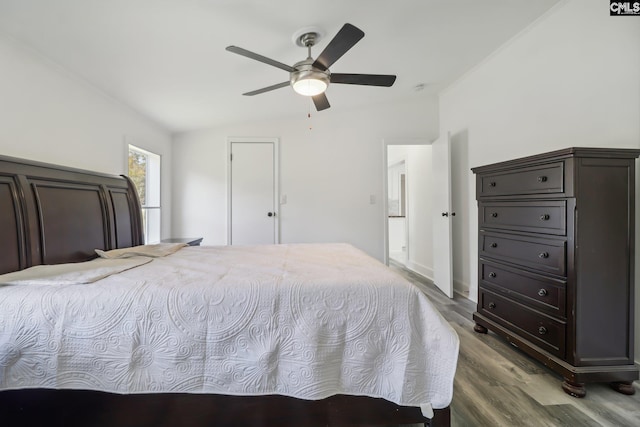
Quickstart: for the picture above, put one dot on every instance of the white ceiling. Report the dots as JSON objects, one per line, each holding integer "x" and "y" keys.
{"x": 167, "y": 59}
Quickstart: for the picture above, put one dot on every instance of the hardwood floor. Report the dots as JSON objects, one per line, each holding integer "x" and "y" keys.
{"x": 498, "y": 385}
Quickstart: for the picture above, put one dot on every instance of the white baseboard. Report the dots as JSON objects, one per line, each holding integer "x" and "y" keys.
{"x": 422, "y": 270}
{"x": 461, "y": 288}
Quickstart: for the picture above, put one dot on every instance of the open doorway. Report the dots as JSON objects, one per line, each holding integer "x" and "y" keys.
{"x": 408, "y": 227}
{"x": 434, "y": 235}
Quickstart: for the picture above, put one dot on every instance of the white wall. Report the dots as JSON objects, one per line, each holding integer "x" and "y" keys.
{"x": 460, "y": 198}
{"x": 571, "y": 79}
{"x": 328, "y": 173}
{"x": 397, "y": 230}
{"x": 51, "y": 116}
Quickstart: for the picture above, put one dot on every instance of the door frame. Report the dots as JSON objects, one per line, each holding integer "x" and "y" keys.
{"x": 385, "y": 189}
{"x": 276, "y": 180}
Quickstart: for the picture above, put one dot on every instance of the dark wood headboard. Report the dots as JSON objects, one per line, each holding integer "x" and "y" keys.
{"x": 53, "y": 214}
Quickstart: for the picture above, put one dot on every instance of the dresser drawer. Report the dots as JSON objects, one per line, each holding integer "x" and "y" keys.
{"x": 547, "y": 255}
{"x": 539, "y": 292}
{"x": 542, "y": 330}
{"x": 546, "y": 217}
{"x": 542, "y": 179}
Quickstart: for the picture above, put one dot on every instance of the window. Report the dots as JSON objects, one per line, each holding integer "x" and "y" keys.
{"x": 144, "y": 171}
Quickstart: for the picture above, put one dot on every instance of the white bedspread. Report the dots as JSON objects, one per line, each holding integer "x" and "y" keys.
{"x": 307, "y": 321}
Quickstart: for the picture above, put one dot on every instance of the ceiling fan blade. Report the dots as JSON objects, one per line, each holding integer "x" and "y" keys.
{"x": 267, "y": 89}
{"x": 346, "y": 38}
{"x": 364, "y": 79}
{"x": 321, "y": 102}
{"x": 257, "y": 57}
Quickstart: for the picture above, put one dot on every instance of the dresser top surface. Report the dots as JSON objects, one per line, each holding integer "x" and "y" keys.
{"x": 610, "y": 153}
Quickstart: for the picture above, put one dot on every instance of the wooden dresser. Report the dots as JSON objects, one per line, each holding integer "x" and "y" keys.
{"x": 556, "y": 261}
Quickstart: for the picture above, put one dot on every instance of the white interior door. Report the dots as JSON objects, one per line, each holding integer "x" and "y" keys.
{"x": 442, "y": 215}
{"x": 253, "y": 216}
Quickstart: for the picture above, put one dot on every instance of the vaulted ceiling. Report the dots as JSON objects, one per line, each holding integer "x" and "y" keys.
{"x": 166, "y": 59}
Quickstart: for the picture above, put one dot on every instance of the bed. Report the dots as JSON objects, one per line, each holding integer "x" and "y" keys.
{"x": 259, "y": 335}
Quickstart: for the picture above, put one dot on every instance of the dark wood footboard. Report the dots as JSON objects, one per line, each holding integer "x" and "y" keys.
{"x": 96, "y": 409}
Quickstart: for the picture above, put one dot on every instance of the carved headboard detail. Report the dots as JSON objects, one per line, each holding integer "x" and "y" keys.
{"x": 53, "y": 214}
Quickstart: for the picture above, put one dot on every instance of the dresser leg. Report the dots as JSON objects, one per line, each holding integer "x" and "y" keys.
{"x": 574, "y": 389}
{"x": 480, "y": 329}
{"x": 624, "y": 387}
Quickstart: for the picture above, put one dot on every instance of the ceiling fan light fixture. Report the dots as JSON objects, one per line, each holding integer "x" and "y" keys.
{"x": 309, "y": 81}
{"x": 310, "y": 86}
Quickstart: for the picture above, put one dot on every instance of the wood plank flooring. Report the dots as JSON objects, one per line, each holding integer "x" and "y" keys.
{"x": 498, "y": 385}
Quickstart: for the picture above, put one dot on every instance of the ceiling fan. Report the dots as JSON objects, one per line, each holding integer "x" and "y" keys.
{"x": 312, "y": 77}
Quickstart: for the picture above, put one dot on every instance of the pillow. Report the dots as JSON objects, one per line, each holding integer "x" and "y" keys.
{"x": 75, "y": 273}
{"x": 153, "y": 251}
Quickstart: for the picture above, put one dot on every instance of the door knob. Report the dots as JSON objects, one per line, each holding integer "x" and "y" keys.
{"x": 445, "y": 213}
{"x": 271, "y": 214}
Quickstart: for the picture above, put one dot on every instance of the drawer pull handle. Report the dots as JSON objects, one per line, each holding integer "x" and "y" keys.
{"x": 542, "y": 178}
{"x": 542, "y": 330}
{"x": 492, "y": 184}
{"x": 492, "y": 274}
{"x": 545, "y": 217}
{"x": 492, "y": 305}
{"x": 543, "y": 255}
{"x": 543, "y": 292}
{"x": 494, "y": 214}
{"x": 494, "y": 245}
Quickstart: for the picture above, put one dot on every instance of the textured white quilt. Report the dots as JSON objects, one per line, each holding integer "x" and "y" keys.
{"x": 307, "y": 321}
